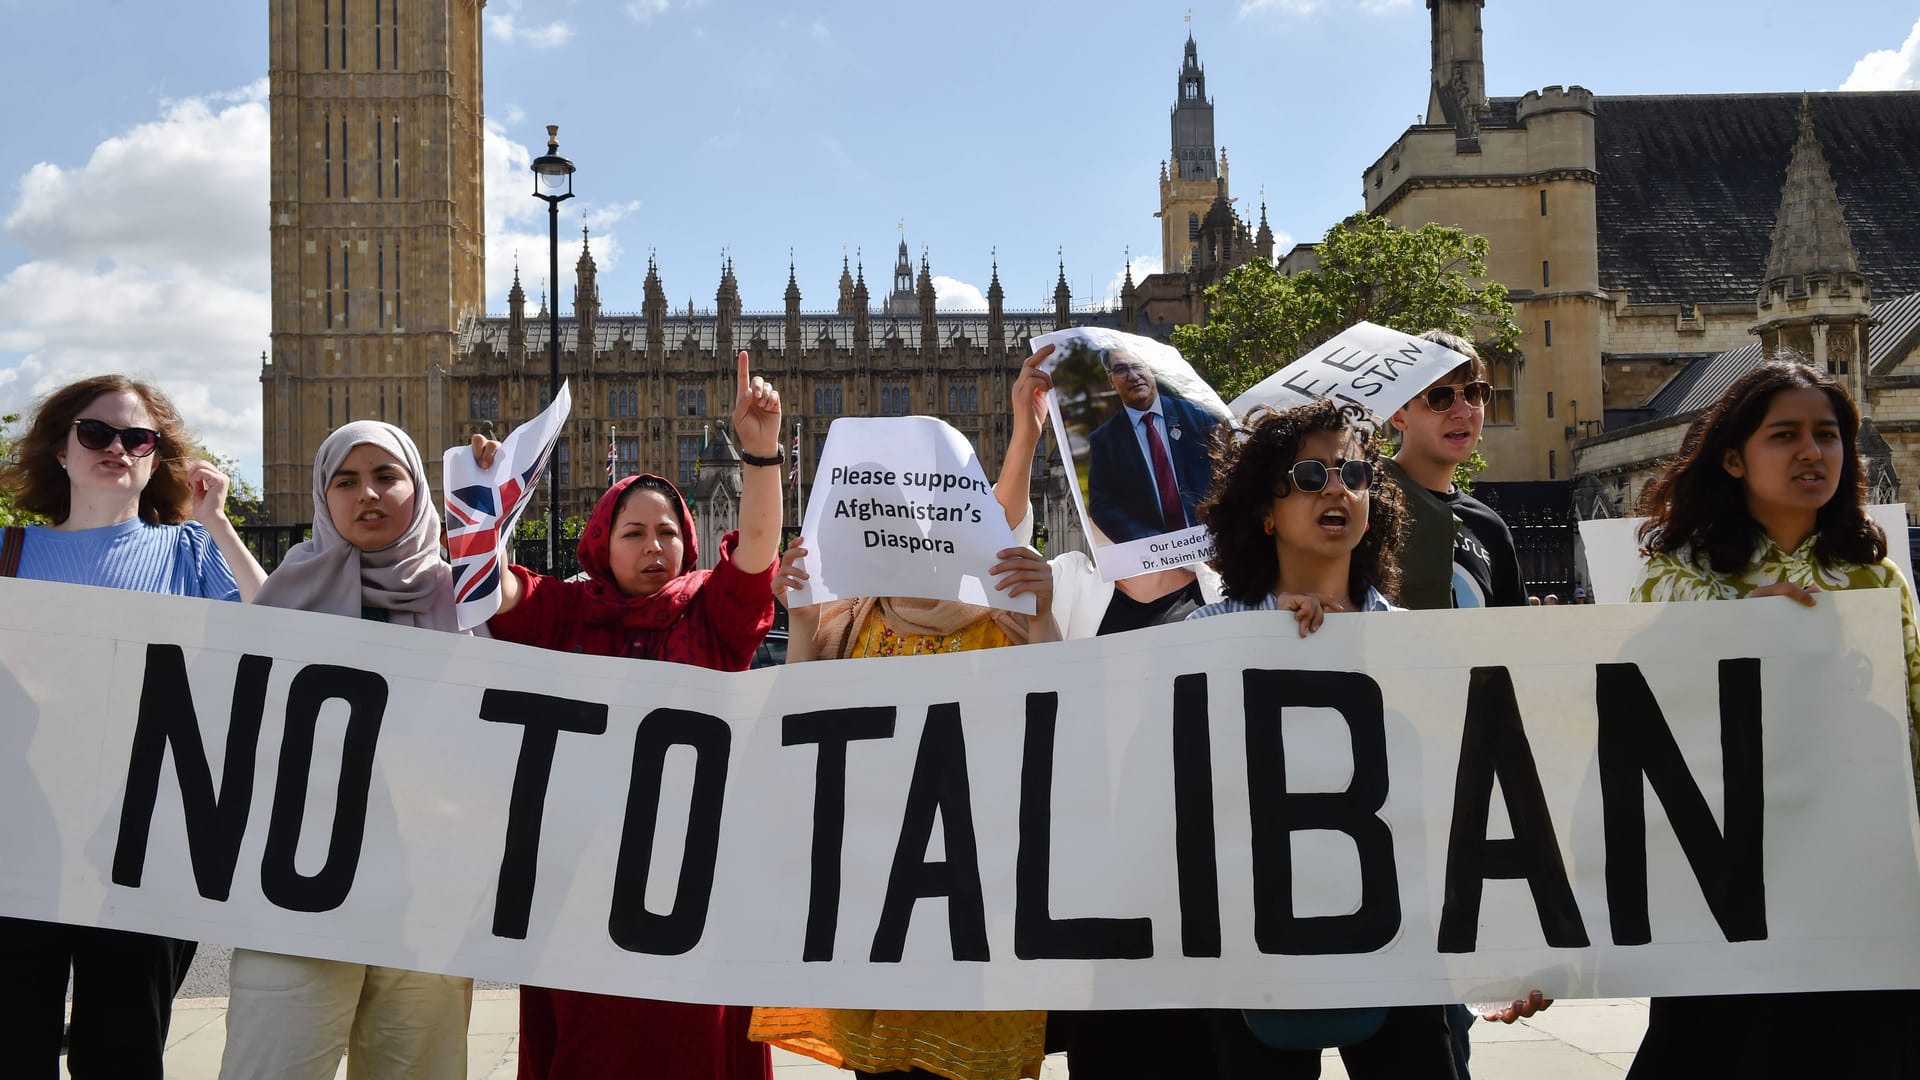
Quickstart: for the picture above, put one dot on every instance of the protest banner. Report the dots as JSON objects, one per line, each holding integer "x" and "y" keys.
{"x": 1371, "y": 366}
{"x": 901, "y": 507}
{"x": 1613, "y": 550}
{"x": 1135, "y": 423}
{"x": 483, "y": 506}
{"x": 1692, "y": 798}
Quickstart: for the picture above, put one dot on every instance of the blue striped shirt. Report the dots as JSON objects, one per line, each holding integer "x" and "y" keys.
{"x": 1271, "y": 602}
{"x": 178, "y": 560}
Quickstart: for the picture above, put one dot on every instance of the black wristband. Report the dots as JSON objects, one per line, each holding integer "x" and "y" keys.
{"x": 778, "y": 457}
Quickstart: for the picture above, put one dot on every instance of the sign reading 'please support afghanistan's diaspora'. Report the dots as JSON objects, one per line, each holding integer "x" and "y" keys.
{"x": 1406, "y": 807}
{"x": 900, "y": 507}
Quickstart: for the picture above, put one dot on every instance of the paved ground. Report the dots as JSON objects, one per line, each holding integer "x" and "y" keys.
{"x": 1574, "y": 1040}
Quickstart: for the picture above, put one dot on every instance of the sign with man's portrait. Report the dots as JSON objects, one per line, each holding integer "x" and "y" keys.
{"x": 1136, "y": 424}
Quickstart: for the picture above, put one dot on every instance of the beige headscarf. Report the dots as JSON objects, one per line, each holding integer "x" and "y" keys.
{"x": 407, "y": 578}
{"x": 841, "y": 620}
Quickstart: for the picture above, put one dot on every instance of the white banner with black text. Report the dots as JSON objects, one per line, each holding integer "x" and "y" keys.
{"x": 1404, "y": 807}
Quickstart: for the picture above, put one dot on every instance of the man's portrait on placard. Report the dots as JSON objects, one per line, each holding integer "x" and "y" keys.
{"x": 1138, "y": 426}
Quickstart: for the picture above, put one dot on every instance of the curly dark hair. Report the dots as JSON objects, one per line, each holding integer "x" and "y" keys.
{"x": 1696, "y": 502}
{"x": 1250, "y": 466}
{"x": 40, "y": 485}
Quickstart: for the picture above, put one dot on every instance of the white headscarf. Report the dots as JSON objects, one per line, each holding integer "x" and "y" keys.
{"x": 407, "y": 578}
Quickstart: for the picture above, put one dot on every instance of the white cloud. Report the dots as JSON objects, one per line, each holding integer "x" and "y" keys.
{"x": 820, "y": 31}
{"x": 509, "y": 30}
{"x": 1889, "y": 69}
{"x": 641, "y": 11}
{"x": 152, "y": 259}
{"x": 517, "y": 226}
{"x": 952, "y": 294}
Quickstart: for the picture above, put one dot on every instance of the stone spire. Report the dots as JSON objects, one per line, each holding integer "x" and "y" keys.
{"x": 1263, "y": 240}
{"x": 1815, "y": 303}
{"x": 1810, "y": 233}
{"x": 793, "y": 308}
{"x": 586, "y": 300}
{"x": 516, "y": 321}
{"x": 996, "y": 305}
{"x": 1062, "y": 300}
{"x": 845, "y": 304}
{"x": 655, "y": 306}
{"x": 929, "y": 320}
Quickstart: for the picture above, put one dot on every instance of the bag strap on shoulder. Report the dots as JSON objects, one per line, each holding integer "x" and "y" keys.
{"x": 10, "y": 547}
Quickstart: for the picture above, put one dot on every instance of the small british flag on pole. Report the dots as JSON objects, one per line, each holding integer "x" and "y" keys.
{"x": 484, "y": 505}
{"x": 611, "y": 432}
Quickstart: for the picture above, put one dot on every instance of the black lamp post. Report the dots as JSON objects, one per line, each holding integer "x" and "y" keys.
{"x": 553, "y": 183}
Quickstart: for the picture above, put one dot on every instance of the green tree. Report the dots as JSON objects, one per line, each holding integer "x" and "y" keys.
{"x": 1370, "y": 270}
{"x": 245, "y": 505}
{"x": 9, "y": 513}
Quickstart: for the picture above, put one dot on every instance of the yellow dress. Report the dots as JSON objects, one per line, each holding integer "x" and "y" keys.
{"x": 958, "y": 1045}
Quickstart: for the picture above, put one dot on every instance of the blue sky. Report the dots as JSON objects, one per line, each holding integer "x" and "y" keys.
{"x": 135, "y": 236}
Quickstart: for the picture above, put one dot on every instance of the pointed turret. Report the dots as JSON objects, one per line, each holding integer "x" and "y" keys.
{"x": 902, "y": 299}
{"x": 862, "y": 317}
{"x": 793, "y": 309}
{"x": 844, "y": 305}
{"x": 929, "y": 319}
{"x": 516, "y": 322}
{"x": 727, "y": 307}
{"x": 1129, "y": 296}
{"x": 1062, "y": 300}
{"x": 996, "y": 305}
{"x": 586, "y": 300}
{"x": 1815, "y": 301}
{"x": 655, "y": 310}
{"x": 1263, "y": 240}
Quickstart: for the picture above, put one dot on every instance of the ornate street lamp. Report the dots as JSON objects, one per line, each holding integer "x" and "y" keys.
{"x": 553, "y": 183}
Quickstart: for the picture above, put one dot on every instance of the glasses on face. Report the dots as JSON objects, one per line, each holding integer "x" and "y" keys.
{"x": 1311, "y": 476}
{"x": 1440, "y": 398}
{"x": 98, "y": 435}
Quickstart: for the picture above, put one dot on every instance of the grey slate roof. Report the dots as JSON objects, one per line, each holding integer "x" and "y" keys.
{"x": 1895, "y": 333}
{"x": 1690, "y": 184}
{"x": 1021, "y": 327}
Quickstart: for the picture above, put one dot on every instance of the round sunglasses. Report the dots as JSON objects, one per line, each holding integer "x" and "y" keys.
{"x": 98, "y": 435}
{"x": 1311, "y": 476}
{"x": 1440, "y": 398}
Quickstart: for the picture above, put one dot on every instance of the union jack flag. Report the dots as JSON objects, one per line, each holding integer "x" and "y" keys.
{"x": 610, "y": 456}
{"x": 483, "y": 507}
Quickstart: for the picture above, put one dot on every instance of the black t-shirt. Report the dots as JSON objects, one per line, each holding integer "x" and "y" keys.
{"x": 1124, "y": 613}
{"x": 1486, "y": 569}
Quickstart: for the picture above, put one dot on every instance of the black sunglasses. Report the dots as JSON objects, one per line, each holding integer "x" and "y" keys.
{"x": 1440, "y": 398}
{"x": 1311, "y": 476}
{"x": 98, "y": 435}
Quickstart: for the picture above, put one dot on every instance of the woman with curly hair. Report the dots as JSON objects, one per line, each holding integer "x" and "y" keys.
{"x": 1768, "y": 497}
{"x": 1302, "y": 522}
{"x": 109, "y": 463}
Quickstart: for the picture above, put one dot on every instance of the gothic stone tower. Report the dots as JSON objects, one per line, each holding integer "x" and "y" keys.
{"x": 1189, "y": 183}
{"x": 1815, "y": 300}
{"x": 376, "y": 223}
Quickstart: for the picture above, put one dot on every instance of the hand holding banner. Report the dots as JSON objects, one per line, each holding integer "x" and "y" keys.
{"x": 1371, "y": 366}
{"x": 901, "y": 507}
{"x": 483, "y": 505}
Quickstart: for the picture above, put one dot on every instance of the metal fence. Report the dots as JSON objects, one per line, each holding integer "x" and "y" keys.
{"x": 1545, "y": 530}
{"x": 270, "y": 543}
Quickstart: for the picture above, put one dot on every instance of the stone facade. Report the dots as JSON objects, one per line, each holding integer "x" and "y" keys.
{"x": 376, "y": 225}
{"x": 1633, "y": 235}
{"x": 378, "y": 295}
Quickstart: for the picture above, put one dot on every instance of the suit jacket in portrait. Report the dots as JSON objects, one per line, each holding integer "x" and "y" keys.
{"x": 1120, "y": 487}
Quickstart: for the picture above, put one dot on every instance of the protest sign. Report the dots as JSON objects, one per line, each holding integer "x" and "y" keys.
{"x": 1371, "y": 366}
{"x": 1691, "y": 798}
{"x": 483, "y": 506}
{"x": 1135, "y": 423}
{"x": 1613, "y": 550}
{"x": 900, "y": 507}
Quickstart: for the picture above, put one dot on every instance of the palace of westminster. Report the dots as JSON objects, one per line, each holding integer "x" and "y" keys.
{"x": 1654, "y": 246}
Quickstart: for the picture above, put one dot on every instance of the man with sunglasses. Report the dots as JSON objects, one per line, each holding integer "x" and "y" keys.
{"x": 1455, "y": 552}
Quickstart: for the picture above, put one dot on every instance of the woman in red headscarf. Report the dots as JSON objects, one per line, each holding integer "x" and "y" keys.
{"x": 644, "y": 599}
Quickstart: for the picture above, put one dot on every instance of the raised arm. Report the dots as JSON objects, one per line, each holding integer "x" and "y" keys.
{"x": 209, "y": 486}
{"x": 1029, "y": 406}
{"x": 756, "y": 417}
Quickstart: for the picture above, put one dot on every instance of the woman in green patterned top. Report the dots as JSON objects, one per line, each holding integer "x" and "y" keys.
{"x": 1768, "y": 497}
